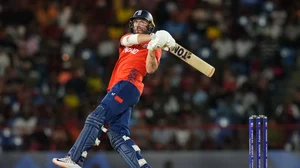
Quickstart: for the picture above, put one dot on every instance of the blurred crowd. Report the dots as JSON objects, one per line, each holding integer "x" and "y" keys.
{"x": 56, "y": 57}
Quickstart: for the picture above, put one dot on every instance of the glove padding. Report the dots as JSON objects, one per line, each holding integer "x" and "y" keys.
{"x": 161, "y": 39}
{"x": 170, "y": 42}
{"x": 156, "y": 42}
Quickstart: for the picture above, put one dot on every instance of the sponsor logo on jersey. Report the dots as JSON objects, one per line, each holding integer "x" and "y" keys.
{"x": 131, "y": 50}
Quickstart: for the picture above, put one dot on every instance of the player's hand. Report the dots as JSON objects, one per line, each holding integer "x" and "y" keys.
{"x": 170, "y": 40}
{"x": 158, "y": 40}
{"x": 161, "y": 39}
{"x": 170, "y": 43}
{"x": 166, "y": 35}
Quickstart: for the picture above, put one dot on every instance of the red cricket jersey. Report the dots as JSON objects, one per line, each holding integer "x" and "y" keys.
{"x": 131, "y": 65}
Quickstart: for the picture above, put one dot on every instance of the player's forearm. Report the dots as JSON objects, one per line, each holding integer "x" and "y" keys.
{"x": 151, "y": 62}
{"x": 142, "y": 38}
{"x": 135, "y": 39}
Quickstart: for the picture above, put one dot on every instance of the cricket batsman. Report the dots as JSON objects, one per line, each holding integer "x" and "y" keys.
{"x": 139, "y": 53}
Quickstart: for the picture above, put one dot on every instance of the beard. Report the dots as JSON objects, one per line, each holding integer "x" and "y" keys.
{"x": 140, "y": 31}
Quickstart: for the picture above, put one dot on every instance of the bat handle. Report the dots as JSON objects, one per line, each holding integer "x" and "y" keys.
{"x": 166, "y": 49}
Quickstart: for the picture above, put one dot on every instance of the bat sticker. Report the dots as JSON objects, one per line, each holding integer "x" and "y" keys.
{"x": 181, "y": 52}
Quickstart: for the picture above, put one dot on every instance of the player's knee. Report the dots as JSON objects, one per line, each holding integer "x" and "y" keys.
{"x": 97, "y": 117}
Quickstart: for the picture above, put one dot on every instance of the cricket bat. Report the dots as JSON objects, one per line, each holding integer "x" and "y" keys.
{"x": 193, "y": 60}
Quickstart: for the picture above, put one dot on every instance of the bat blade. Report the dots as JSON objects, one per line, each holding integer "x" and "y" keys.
{"x": 193, "y": 60}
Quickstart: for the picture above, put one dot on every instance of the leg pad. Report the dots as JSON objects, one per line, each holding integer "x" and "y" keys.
{"x": 89, "y": 135}
{"x": 127, "y": 149}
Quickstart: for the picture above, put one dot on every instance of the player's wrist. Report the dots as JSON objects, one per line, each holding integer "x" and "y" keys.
{"x": 150, "y": 49}
{"x": 152, "y": 36}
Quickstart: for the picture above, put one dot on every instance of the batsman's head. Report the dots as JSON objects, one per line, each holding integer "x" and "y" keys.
{"x": 141, "y": 22}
